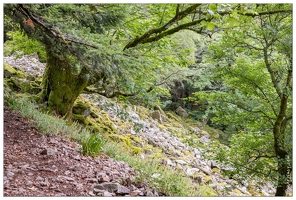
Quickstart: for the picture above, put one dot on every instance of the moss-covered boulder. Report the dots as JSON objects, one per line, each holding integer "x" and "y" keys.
{"x": 181, "y": 112}
{"x": 24, "y": 85}
{"x": 9, "y": 72}
{"x": 80, "y": 107}
{"x": 156, "y": 116}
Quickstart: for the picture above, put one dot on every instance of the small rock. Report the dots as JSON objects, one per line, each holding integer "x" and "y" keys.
{"x": 182, "y": 162}
{"x": 113, "y": 188}
{"x": 135, "y": 192}
{"x": 213, "y": 164}
{"x": 155, "y": 175}
{"x": 196, "y": 151}
{"x": 204, "y": 139}
{"x": 68, "y": 178}
{"x": 77, "y": 157}
{"x": 91, "y": 180}
{"x": 76, "y": 168}
{"x": 149, "y": 193}
{"x": 170, "y": 162}
{"x": 156, "y": 116}
{"x": 39, "y": 178}
{"x": 123, "y": 190}
{"x": 102, "y": 177}
{"x": 67, "y": 172}
{"x": 110, "y": 187}
{"x": 191, "y": 171}
{"x": 29, "y": 183}
{"x": 107, "y": 194}
{"x": 96, "y": 190}
{"x": 9, "y": 173}
{"x": 44, "y": 183}
{"x": 155, "y": 193}
{"x": 87, "y": 112}
{"x": 90, "y": 193}
{"x": 49, "y": 151}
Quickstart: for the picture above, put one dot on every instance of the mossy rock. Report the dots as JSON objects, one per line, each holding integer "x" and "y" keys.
{"x": 206, "y": 190}
{"x": 156, "y": 154}
{"x": 237, "y": 191}
{"x": 79, "y": 107}
{"x": 253, "y": 191}
{"x": 142, "y": 112}
{"x": 207, "y": 179}
{"x": 157, "y": 116}
{"x": 24, "y": 85}
{"x": 21, "y": 84}
{"x": 92, "y": 124}
{"x": 216, "y": 170}
{"x": 127, "y": 141}
{"x": 78, "y": 118}
{"x": 9, "y": 72}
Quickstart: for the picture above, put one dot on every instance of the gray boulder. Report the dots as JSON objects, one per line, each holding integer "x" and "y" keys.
{"x": 181, "y": 112}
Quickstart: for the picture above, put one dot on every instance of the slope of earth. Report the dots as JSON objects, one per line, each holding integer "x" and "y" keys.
{"x": 38, "y": 165}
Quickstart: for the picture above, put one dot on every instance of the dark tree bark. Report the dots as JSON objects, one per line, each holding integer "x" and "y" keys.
{"x": 279, "y": 145}
{"x": 61, "y": 86}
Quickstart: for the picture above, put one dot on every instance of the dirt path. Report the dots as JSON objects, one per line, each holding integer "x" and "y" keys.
{"x": 36, "y": 165}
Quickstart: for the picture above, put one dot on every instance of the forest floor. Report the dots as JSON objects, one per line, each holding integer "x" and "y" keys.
{"x": 38, "y": 165}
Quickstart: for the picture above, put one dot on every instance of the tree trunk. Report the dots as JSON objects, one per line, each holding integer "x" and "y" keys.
{"x": 60, "y": 86}
{"x": 279, "y": 147}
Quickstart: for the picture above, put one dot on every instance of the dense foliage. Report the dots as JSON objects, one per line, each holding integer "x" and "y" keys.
{"x": 233, "y": 62}
{"x": 254, "y": 63}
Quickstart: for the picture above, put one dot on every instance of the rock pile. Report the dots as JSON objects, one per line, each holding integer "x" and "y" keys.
{"x": 28, "y": 64}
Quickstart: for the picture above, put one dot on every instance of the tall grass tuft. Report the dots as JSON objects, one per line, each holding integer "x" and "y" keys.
{"x": 92, "y": 144}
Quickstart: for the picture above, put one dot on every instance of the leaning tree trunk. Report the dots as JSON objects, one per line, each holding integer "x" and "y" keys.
{"x": 60, "y": 86}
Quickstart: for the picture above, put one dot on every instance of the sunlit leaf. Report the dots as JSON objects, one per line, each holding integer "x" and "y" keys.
{"x": 210, "y": 26}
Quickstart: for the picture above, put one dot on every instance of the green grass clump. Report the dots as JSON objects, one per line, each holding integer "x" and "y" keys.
{"x": 92, "y": 144}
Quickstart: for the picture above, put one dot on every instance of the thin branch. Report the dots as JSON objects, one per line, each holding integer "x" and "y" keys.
{"x": 177, "y": 9}
{"x": 163, "y": 14}
{"x": 162, "y": 82}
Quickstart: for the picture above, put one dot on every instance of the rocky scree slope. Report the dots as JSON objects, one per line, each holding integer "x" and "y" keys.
{"x": 154, "y": 134}
{"x": 38, "y": 165}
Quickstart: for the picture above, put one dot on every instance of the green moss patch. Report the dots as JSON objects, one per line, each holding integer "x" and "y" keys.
{"x": 9, "y": 71}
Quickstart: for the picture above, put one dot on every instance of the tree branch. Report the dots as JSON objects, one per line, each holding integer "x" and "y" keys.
{"x": 266, "y": 12}
{"x": 145, "y": 36}
{"x": 162, "y": 31}
{"x": 166, "y": 33}
{"x": 55, "y": 33}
